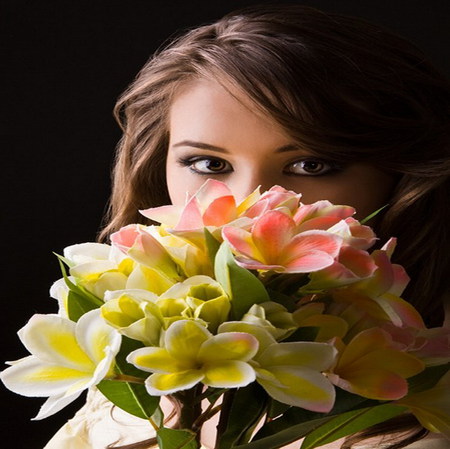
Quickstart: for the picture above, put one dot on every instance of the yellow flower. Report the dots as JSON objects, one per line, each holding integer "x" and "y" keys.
{"x": 191, "y": 354}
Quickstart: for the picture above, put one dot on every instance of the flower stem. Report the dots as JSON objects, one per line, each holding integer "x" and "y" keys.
{"x": 227, "y": 402}
{"x": 190, "y": 409}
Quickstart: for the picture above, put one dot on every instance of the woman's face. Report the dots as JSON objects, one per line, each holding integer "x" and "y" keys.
{"x": 214, "y": 134}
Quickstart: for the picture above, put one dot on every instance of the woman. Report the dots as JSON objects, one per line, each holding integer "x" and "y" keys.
{"x": 323, "y": 104}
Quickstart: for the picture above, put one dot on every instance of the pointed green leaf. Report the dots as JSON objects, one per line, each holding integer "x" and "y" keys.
{"x": 212, "y": 245}
{"x": 176, "y": 439}
{"x": 284, "y": 437}
{"x": 344, "y": 402}
{"x": 78, "y": 305}
{"x": 244, "y": 288}
{"x": 131, "y": 397}
{"x": 245, "y": 409}
{"x": 373, "y": 214}
{"x": 350, "y": 423}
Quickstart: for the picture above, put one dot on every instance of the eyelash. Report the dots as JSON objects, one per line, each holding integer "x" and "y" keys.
{"x": 190, "y": 161}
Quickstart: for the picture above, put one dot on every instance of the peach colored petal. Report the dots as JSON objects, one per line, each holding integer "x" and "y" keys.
{"x": 191, "y": 217}
{"x": 168, "y": 215}
{"x": 311, "y": 241}
{"x": 210, "y": 191}
{"x": 241, "y": 241}
{"x": 271, "y": 233}
{"x": 221, "y": 211}
{"x": 380, "y": 385}
{"x": 309, "y": 262}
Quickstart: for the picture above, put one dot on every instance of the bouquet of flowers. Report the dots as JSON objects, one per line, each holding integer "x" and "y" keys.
{"x": 271, "y": 315}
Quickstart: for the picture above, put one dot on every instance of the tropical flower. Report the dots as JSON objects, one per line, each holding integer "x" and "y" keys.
{"x": 291, "y": 372}
{"x": 199, "y": 297}
{"x": 371, "y": 366}
{"x": 66, "y": 358}
{"x": 273, "y": 317}
{"x": 276, "y": 197}
{"x": 141, "y": 246}
{"x": 98, "y": 267}
{"x": 134, "y": 314}
{"x": 191, "y": 354}
{"x": 273, "y": 244}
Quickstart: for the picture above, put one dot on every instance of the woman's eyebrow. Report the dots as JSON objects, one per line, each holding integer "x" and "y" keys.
{"x": 201, "y": 145}
{"x": 207, "y": 146}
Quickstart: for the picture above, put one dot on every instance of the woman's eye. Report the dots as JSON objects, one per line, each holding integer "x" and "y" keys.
{"x": 310, "y": 167}
{"x": 207, "y": 166}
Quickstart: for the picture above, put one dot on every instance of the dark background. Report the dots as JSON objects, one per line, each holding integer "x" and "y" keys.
{"x": 65, "y": 64}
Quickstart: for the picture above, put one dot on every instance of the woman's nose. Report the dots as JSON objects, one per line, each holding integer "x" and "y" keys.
{"x": 248, "y": 182}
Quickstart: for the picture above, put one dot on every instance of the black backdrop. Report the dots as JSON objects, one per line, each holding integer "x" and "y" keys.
{"x": 65, "y": 64}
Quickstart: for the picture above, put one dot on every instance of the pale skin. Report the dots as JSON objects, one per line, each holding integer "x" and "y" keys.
{"x": 214, "y": 134}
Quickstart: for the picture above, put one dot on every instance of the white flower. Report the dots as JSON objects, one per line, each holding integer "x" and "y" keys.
{"x": 66, "y": 358}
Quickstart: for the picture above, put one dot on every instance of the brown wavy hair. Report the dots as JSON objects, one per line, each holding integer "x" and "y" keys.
{"x": 347, "y": 90}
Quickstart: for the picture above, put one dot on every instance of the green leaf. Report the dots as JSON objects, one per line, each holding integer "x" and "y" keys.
{"x": 344, "y": 402}
{"x": 373, "y": 214}
{"x": 350, "y": 423}
{"x": 327, "y": 429}
{"x": 427, "y": 379}
{"x": 212, "y": 245}
{"x": 284, "y": 437}
{"x": 244, "y": 407}
{"x": 244, "y": 288}
{"x": 79, "y": 300}
{"x": 277, "y": 408}
{"x": 176, "y": 439}
{"x": 131, "y": 397}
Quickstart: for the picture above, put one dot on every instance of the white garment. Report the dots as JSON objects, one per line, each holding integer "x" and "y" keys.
{"x": 98, "y": 424}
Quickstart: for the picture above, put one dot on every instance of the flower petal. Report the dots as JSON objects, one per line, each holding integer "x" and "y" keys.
{"x": 52, "y": 339}
{"x": 271, "y": 233}
{"x": 96, "y": 337}
{"x": 184, "y": 338}
{"x": 380, "y": 384}
{"x": 318, "y": 356}
{"x": 32, "y": 377}
{"x": 156, "y": 360}
{"x": 229, "y": 346}
{"x": 301, "y": 387}
{"x": 241, "y": 241}
{"x": 54, "y": 404}
{"x": 228, "y": 374}
{"x": 162, "y": 384}
{"x": 221, "y": 211}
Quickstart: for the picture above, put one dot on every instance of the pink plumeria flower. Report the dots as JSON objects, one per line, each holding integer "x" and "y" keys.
{"x": 134, "y": 241}
{"x": 274, "y": 244}
{"x": 321, "y": 215}
{"x": 350, "y": 266}
{"x": 275, "y": 198}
